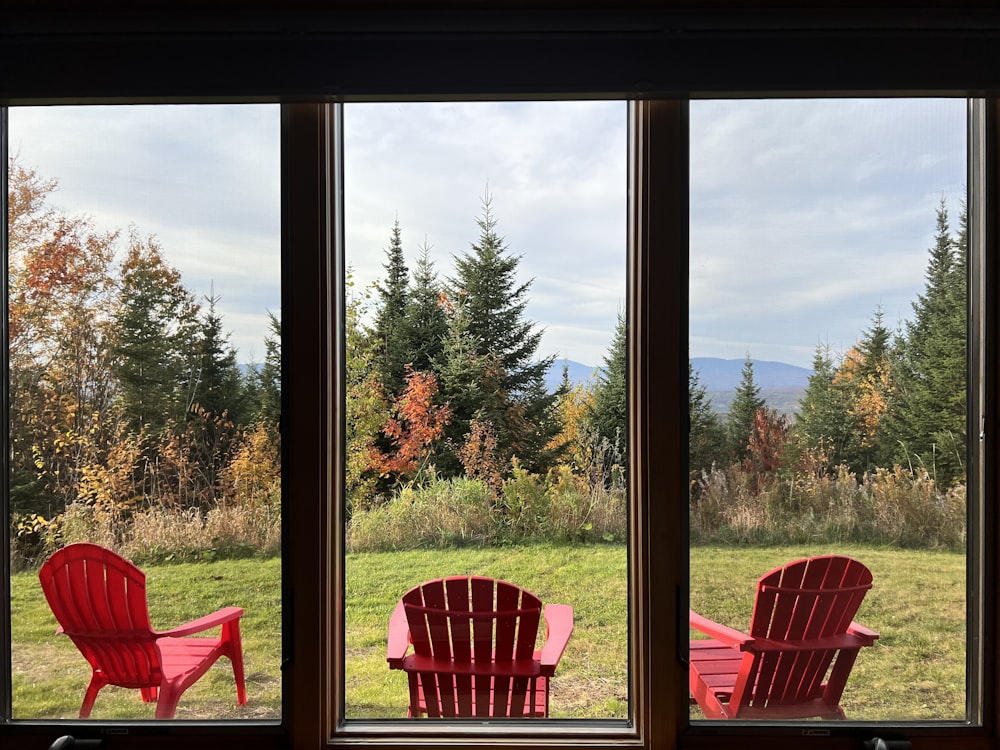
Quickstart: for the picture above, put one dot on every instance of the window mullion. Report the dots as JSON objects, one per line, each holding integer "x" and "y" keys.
{"x": 6, "y": 689}
{"x": 658, "y": 300}
{"x": 309, "y": 362}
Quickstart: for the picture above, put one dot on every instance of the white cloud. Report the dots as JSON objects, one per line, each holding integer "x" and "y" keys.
{"x": 805, "y": 215}
{"x": 204, "y": 180}
{"x": 556, "y": 174}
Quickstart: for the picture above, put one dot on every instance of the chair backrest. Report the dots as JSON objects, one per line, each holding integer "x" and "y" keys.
{"x": 99, "y": 600}
{"x": 472, "y": 618}
{"x": 802, "y": 601}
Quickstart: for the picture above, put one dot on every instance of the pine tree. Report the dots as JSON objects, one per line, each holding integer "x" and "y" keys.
{"x": 269, "y": 378}
{"x": 217, "y": 388}
{"x": 494, "y": 302}
{"x": 609, "y": 413}
{"x": 706, "y": 434}
{"x": 928, "y": 423}
{"x": 743, "y": 411}
{"x": 462, "y": 377}
{"x": 822, "y": 426}
{"x": 426, "y": 322}
{"x": 390, "y": 315}
{"x": 155, "y": 338}
{"x": 869, "y": 392}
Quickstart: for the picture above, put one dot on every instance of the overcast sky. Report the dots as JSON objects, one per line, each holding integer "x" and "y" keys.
{"x": 805, "y": 215}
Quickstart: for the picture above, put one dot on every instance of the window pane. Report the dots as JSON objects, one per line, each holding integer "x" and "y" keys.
{"x": 828, "y": 343}
{"x": 485, "y": 340}
{"x": 144, "y": 311}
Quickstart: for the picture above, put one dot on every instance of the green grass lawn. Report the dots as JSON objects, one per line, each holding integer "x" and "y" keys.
{"x": 50, "y": 676}
{"x": 916, "y": 671}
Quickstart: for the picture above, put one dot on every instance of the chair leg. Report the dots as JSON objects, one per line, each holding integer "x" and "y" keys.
{"x": 96, "y": 683}
{"x": 166, "y": 704}
{"x": 234, "y": 650}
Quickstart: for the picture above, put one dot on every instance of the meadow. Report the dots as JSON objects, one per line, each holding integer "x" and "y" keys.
{"x": 916, "y": 671}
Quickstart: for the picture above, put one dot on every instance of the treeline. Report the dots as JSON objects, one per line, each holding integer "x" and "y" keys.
{"x": 132, "y": 423}
{"x": 126, "y": 397}
{"x": 878, "y": 441}
{"x": 444, "y": 381}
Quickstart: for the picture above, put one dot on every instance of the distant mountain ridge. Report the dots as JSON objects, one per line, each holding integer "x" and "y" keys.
{"x": 725, "y": 374}
{"x": 781, "y": 384}
{"x": 578, "y": 373}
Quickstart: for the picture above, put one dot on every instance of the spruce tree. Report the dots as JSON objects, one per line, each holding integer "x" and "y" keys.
{"x": 461, "y": 372}
{"x": 426, "y": 322}
{"x": 494, "y": 301}
{"x": 155, "y": 334}
{"x": 822, "y": 424}
{"x": 609, "y": 413}
{"x": 928, "y": 422}
{"x": 743, "y": 411}
{"x": 269, "y": 378}
{"x": 390, "y": 315}
{"x": 870, "y": 392}
{"x": 217, "y": 388}
{"x": 706, "y": 434}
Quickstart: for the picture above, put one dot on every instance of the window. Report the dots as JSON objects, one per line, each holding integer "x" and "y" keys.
{"x": 657, "y": 58}
{"x": 818, "y": 314}
{"x": 458, "y": 215}
{"x": 144, "y": 316}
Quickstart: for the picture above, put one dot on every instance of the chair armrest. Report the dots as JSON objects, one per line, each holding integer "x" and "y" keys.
{"x": 399, "y": 638}
{"x": 214, "y": 620}
{"x": 869, "y": 636}
{"x": 559, "y": 627}
{"x": 725, "y": 635}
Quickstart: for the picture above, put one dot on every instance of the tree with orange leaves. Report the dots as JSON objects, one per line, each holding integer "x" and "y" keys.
{"x": 416, "y": 424}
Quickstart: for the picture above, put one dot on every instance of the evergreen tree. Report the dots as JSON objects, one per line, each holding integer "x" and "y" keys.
{"x": 928, "y": 423}
{"x": 869, "y": 388}
{"x": 743, "y": 412}
{"x": 494, "y": 301}
{"x": 706, "y": 434}
{"x": 269, "y": 378}
{"x": 822, "y": 425}
{"x": 609, "y": 412}
{"x": 426, "y": 323}
{"x": 155, "y": 338}
{"x": 462, "y": 378}
{"x": 366, "y": 406}
{"x": 217, "y": 388}
{"x": 390, "y": 315}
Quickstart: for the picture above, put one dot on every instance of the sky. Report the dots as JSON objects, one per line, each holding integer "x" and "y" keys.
{"x": 806, "y": 216}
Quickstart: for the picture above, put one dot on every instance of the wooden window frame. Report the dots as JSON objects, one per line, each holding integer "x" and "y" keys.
{"x": 307, "y": 58}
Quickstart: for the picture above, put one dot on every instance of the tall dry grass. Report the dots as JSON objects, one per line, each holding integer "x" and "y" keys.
{"x": 461, "y": 512}
{"x": 897, "y": 507}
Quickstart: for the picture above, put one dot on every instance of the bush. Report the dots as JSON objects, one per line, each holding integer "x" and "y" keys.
{"x": 158, "y": 534}
{"x": 890, "y": 506}
{"x": 444, "y": 513}
{"x": 463, "y": 511}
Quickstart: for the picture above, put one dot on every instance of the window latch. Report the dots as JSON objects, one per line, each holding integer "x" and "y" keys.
{"x": 68, "y": 741}
{"x": 877, "y": 743}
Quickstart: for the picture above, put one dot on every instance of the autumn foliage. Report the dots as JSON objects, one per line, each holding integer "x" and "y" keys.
{"x": 414, "y": 427}
{"x": 126, "y": 403}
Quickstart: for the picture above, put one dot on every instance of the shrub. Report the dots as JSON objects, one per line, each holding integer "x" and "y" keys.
{"x": 159, "y": 534}
{"x": 444, "y": 513}
{"x": 581, "y": 511}
{"x": 890, "y": 506}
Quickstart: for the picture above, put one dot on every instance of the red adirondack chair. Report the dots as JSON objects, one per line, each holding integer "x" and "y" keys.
{"x": 801, "y": 648}
{"x": 99, "y": 599}
{"x": 474, "y": 650}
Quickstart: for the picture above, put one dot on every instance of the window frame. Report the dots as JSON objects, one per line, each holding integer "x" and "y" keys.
{"x": 629, "y": 53}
